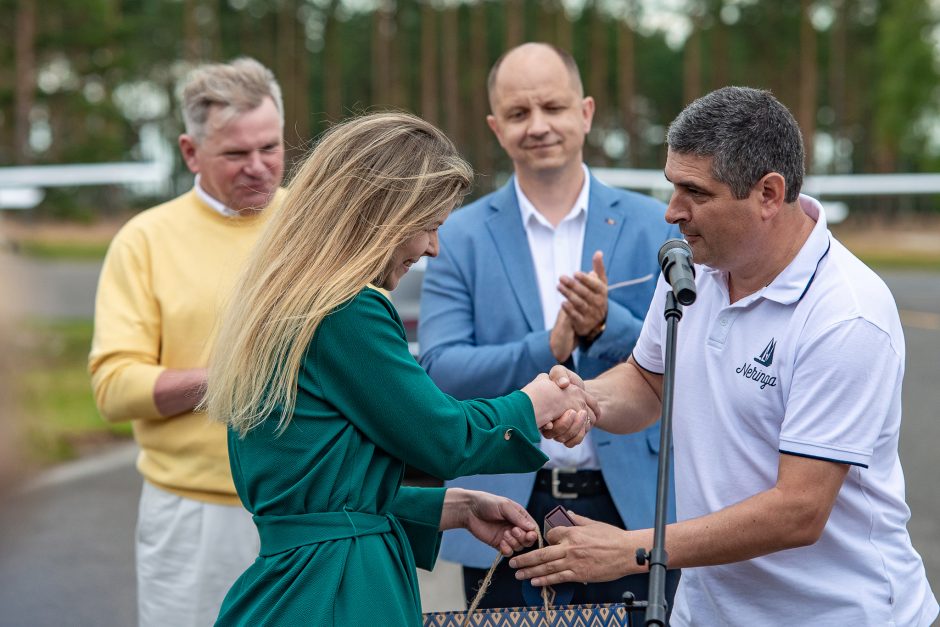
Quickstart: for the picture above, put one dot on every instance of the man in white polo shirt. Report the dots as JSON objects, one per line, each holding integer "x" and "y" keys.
{"x": 789, "y": 489}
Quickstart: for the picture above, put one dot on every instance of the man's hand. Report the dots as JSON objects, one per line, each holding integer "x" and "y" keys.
{"x": 499, "y": 522}
{"x": 590, "y": 551}
{"x": 563, "y": 377}
{"x": 179, "y": 391}
{"x": 586, "y": 294}
{"x": 570, "y": 428}
{"x": 792, "y": 513}
{"x": 562, "y": 339}
{"x": 565, "y": 415}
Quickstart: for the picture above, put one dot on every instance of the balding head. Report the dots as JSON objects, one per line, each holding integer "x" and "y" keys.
{"x": 521, "y": 59}
{"x": 539, "y": 112}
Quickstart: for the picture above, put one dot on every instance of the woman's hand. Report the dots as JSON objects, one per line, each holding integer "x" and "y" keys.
{"x": 499, "y": 522}
{"x": 564, "y": 414}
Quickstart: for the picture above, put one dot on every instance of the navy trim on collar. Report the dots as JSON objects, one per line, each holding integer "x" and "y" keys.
{"x": 816, "y": 271}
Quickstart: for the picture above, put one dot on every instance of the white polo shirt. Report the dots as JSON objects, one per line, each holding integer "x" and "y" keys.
{"x": 811, "y": 365}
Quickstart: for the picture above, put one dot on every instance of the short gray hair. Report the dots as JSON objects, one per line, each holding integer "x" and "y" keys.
{"x": 747, "y": 132}
{"x": 235, "y": 87}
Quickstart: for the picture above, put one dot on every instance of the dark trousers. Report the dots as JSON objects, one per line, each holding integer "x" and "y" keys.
{"x": 506, "y": 591}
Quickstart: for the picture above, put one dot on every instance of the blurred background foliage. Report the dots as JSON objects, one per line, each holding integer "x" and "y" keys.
{"x": 85, "y": 81}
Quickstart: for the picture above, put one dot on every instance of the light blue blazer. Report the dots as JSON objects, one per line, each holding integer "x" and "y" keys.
{"x": 482, "y": 332}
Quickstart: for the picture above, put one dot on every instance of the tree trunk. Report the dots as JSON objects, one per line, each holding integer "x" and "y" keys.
{"x": 396, "y": 83}
{"x": 626, "y": 84}
{"x": 482, "y": 139}
{"x": 807, "y": 108}
{"x": 332, "y": 59}
{"x": 191, "y": 44}
{"x": 382, "y": 33}
{"x": 692, "y": 65}
{"x": 25, "y": 87}
{"x": 515, "y": 23}
{"x": 430, "y": 93}
{"x": 545, "y": 21}
{"x": 286, "y": 57}
{"x": 563, "y": 29}
{"x": 301, "y": 76}
{"x": 201, "y": 38}
{"x": 597, "y": 85}
{"x": 721, "y": 73}
{"x": 261, "y": 34}
{"x": 597, "y": 61}
{"x": 837, "y": 91}
{"x": 450, "y": 68}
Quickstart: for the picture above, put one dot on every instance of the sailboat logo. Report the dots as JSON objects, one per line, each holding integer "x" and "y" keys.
{"x": 767, "y": 355}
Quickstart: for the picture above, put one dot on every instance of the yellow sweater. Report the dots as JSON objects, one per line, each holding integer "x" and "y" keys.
{"x": 163, "y": 286}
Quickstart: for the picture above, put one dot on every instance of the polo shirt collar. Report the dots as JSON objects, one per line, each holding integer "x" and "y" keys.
{"x": 790, "y": 285}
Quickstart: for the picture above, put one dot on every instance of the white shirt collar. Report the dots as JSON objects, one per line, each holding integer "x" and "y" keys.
{"x": 216, "y": 204}
{"x": 580, "y": 207}
{"x": 791, "y": 284}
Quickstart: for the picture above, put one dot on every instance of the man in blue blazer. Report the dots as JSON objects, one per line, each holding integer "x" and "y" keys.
{"x": 555, "y": 267}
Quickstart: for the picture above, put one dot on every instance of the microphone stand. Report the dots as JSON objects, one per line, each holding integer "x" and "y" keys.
{"x": 657, "y": 558}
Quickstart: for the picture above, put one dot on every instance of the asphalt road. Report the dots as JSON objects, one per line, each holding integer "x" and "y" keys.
{"x": 66, "y": 547}
{"x": 66, "y": 541}
{"x": 47, "y": 289}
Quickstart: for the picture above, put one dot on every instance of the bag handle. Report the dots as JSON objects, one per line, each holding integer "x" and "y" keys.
{"x": 548, "y": 593}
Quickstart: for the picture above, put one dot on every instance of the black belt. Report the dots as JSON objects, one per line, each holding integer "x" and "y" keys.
{"x": 565, "y": 483}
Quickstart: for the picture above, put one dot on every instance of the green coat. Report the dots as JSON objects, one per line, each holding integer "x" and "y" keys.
{"x": 340, "y": 535}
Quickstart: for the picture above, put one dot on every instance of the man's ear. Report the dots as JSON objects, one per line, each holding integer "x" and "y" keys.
{"x": 587, "y": 113}
{"x": 772, "y": 191}
{"x": 491, "y": 122}
{"x": 188, "y": 150}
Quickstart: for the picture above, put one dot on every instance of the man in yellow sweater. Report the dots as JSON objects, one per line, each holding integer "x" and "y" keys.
{"x": 163, "y": 285}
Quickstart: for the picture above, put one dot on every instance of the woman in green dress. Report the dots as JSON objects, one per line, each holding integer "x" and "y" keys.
{"x": 325, "y": 404}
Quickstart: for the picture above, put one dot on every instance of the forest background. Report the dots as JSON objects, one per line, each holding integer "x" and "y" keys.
{"x": 85, "y": 81}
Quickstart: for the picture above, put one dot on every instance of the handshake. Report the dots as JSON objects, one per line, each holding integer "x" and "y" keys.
{"x": 564, "y": 411}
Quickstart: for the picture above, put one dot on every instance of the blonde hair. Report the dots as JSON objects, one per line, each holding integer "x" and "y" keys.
{"x": 236, "y": 87}
{"x": 369, "y": 185}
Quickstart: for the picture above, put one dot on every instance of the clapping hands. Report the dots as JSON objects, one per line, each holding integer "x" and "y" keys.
{"x": 586, "y": 297}
{"x": 583, "y": 311}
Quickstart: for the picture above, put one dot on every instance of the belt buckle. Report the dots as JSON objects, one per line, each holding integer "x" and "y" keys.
{"x": 556, "y": 493}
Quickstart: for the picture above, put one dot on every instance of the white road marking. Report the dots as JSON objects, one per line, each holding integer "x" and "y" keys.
{"x": 123, "y": 455}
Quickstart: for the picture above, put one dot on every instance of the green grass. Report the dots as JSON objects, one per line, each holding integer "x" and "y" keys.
{"x": 55, "y": 398}
{"x": 901, "y": 261}
{"x": 894, "y": 260}
{"x": 41, "y": 249}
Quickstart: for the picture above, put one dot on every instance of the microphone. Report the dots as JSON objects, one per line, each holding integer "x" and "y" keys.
{"x": 675, "y": 258}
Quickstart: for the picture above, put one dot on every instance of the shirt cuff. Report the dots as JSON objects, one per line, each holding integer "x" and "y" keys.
{"x": 826, "y": 452}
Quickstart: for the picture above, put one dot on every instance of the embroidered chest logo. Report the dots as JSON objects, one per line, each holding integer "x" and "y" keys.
{"x": 767, "y": 355}
{"x": 765, "y": 359}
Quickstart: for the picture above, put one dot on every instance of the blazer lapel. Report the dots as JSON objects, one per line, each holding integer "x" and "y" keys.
{"x": 512, "y": 246}
{"x": 605, "y": 219}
